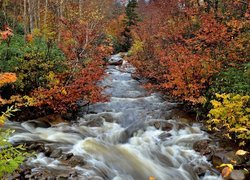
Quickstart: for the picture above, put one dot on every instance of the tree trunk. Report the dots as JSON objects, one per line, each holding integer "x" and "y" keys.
{"x": 31, "y": 15}
{"x": 25, "y": 16}
{"x": 45, "y": 13}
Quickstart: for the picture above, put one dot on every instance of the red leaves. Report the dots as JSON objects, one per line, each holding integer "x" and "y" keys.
{"x": 85, "y": 64}
{"x": 6, "y": 33}
{"x": 63, "y": 97}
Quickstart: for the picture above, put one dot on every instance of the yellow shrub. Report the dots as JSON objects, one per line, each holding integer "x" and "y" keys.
{"x": 230, "y": 115}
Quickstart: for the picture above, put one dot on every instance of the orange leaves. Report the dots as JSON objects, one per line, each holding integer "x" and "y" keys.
{"x": 7, "y": 78}
{"x": 6, "y": 33}
{"x": 29, "y": 38}
{"x": 226, "y": 171}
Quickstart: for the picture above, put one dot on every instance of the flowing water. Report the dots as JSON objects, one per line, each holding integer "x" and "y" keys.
{"x": 122, "y": 144}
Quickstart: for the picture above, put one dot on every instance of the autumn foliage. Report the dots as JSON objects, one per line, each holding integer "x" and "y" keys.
{"x": 182, "y": 45}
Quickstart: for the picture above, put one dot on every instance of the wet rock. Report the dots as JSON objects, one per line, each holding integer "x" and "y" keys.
{"x": 223, "y": 157}
{"x": 108, "y": 117}
{"x": 67, "y": 156}
{"x": 218, "y": 158}
{"x": 202, "y": 147}
{"x": 200, "y": 170}
{"x": 47, "y": 151}
{"x": 52, "y": 119}
{"x": 39, "y": 147}
{"x": 181, "y": 126}
{"x": 115, "y": 60}
{"x": 97, "y": 122}
{"x": 62, "y": 177}
{"x": 164, "y": 136}
{"x": 165, "y": 126}
{"x": 76, "y": 161}
{"x": 38, "y": 123}
{"x": 237, "y": 175}
{"x": 56, "y": 153}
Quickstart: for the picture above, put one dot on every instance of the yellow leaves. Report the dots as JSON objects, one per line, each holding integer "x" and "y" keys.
{"x": 136, "y": 47}
{"x": 7, "y": 114}
{"x": 241, "y": 152}
{"x": 7, "y": 78}
{"x": 215, "y": 103}
{"x": 64, "y": 92}
{"x": 231, "y": 114}
{"x": 238, "y": 129}
{"x": 51, "y": 77}
{"x": 151, "y": 178}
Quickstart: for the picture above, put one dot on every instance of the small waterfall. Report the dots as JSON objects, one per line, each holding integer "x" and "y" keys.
{"x": 118, "y": 139}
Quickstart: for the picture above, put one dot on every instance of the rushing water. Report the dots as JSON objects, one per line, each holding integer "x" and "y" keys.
{"x": 124, "y": 145}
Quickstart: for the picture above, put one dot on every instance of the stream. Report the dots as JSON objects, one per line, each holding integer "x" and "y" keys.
{"x": 134, "y": 136}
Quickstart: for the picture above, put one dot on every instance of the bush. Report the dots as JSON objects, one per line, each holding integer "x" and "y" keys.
{"x": 230, "y": 116}
{"x": 232, "y": 80}
{"x": 32, "y": 62}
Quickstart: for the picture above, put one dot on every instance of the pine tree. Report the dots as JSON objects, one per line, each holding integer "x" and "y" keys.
{"x": 130, "y": 20}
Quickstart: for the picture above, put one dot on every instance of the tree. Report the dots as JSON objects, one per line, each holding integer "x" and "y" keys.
{"x": 130, "y": 20}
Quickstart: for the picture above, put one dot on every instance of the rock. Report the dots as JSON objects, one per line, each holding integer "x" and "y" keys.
{"x": 115, "y": 60}
{"x": 52, "y": 119}
{"x": 108, "y": 117}
{"x": 56, "y": 153}
{"x": 96, "y": 122}
{"x": 62, "y": 177}
{"x": 223, "y": 157}
{"x": 165, "y": 126}
{"x": 218, "y": 158}
{"x": 200, "y": 170}
{"x": 76, "y": 161}
{"x": 39, "y": 147}
{"x": 47, "y": 151}
{"x": 67, "y": 156}
{"x": 202, "y": 146}
{"x": 164, "y": 136}
{"x": 38, "y": 123}
{"x": 237, "y": 175}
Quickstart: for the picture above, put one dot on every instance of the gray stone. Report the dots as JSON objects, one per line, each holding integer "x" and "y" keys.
{"x": 56, "y": 153}
{"x": 237, "y": 175}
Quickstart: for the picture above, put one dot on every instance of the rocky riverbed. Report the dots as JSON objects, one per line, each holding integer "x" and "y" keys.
{"x": 134, "y": 136}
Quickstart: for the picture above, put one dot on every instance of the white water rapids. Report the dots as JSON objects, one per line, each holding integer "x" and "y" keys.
{"x": 125, "y": 146}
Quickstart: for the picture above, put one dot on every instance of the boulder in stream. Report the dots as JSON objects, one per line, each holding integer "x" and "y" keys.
{"x": 202, "y": 146}
{"x": 115, "y": 60}
{"x": 56, "y": 153}
{"x": 76, "y": 161}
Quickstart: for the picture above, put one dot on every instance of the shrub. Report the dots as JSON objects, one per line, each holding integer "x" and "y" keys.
{"x": 230, "y": 115}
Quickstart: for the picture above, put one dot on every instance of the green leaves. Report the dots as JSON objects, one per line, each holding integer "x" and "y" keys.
{"x": 10, "y": 157}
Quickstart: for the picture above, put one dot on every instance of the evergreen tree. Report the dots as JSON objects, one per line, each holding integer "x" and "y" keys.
{"x": 131, "y": 19}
